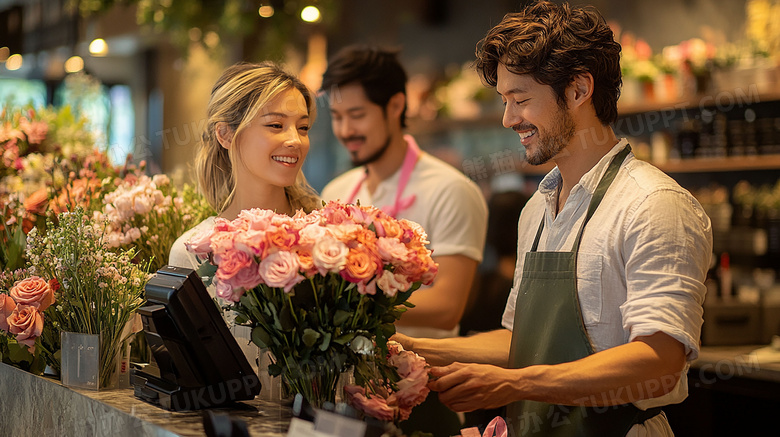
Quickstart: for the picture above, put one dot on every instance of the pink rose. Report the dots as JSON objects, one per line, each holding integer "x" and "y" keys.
{"x": 200, "y": 243}
{"x": 221, "y": 242}
{"x": 407, "y": 363}
{"x": 7, "y": 306}
{"x": 224, "y": 225}
{"x": 231, "y": 263}
{"x": 335, "y": 213}
{"x": 430, "y": 272}
{"x": 416, "y": 229}
{"x": 366, "y": 288}
{"x": 227, "y": 292}
{"x": 329, "y": 255}
{"x": 375, "y": 406}
{"x": 360, "y": 214}
{"x": 412, "y": 390}
{"x": 391, "y": 283}
{"x": 27, "y": 324}
{"x": 252, "y": 242}
{"x": 257, "y": 219}
{"x": 311, "y": 233}
{"x": 247, "y": 278}
{"x": 280, "y": 270}
{"x": 413, "y": 386}
{"x": 392, "y": 250}
{"x": 33, "y": 291}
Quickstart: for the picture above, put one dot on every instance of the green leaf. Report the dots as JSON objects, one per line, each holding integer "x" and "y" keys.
{"x": 286, "y": 321}
{"x": 344, "y": 339}
{"x": 325, "y": 341}
{"x": 260, "y": 337}
{"x": 310, "y": 337}
{"x": 341, "y": 316}
{"x": 241, "y": 319}
{"x": 388, "y": 329}
{"x": 19, "y": 353}
{"x": 15, "y": 253}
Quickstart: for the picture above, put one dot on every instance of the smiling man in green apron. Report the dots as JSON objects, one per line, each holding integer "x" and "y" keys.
{"x": 605, "y": 312}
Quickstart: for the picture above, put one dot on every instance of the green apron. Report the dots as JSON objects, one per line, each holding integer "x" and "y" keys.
{"x": 549, "y": 329}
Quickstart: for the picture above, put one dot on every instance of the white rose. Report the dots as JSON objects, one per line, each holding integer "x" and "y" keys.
{"x": 361, "y": 345}
{"x": 329, "y": 255}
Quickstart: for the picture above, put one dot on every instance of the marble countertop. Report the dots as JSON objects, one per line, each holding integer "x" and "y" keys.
{"x": 34, "y": 405}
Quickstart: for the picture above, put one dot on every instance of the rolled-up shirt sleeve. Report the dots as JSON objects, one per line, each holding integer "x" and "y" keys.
{"x": 668, "y": 249}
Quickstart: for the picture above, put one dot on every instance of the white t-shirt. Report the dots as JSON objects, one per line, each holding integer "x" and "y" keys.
{"x": 642, "y": 261}
{"x": 179, "y": 256}
{"x": 448, "y": 205}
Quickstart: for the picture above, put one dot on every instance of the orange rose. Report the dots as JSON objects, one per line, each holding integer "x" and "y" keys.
{"x": 388, "y": 227}
{"x": 33, "y": 291}
{"x": 279, "y": 239}
{"x": 360, "y": 266}
{"x": 26, "y": 322}
{"x": 7, "y": 306}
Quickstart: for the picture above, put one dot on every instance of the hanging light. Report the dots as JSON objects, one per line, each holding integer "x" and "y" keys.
{"x": 98, "y": 47}
{"x": 266, "y": 11}
{"x": 311, "y": 14}
{"x": 74, "y": 64}
{"x": 4, "y": 53}
{"x": 14, "y": 62}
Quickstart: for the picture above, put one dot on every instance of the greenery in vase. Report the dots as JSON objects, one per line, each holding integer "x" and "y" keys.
{"x": 99, "y": 290}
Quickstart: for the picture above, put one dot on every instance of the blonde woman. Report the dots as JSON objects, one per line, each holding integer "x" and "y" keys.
{"x": 252, "y": 148}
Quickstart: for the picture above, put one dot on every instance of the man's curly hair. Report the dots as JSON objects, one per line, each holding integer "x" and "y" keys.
{"x": 554, "y": 43}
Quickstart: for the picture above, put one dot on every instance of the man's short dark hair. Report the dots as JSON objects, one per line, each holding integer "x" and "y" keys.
{"x": 376, "y": 69}
{"x": 555, "y": 43}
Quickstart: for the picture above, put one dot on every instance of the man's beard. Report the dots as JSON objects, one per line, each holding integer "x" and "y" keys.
{"x": 550, "y": 143}
{"x": 356, "y": 162}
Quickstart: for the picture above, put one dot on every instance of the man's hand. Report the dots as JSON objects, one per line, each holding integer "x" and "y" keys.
{"x": 469, "y": 387}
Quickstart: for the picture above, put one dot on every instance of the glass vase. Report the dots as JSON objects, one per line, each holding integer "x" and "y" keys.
{"x": 316, "y": 382}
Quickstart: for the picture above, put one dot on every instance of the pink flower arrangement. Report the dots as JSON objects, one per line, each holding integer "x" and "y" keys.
{"x": 322, "y": 292}
{"x": 388, "y": 403}
{"x": 148, "y": 213}
{"x": 363, "y": 245}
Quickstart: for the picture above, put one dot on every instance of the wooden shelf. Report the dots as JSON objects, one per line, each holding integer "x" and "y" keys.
{"x": 733, "y": 163}
{"x": 695, "y": 165}
{"x": 725, "y": 99}
{"x": 737, "y": 97}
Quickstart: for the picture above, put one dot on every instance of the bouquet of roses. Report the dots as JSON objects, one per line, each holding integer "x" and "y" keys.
{"x": 322, "y": 291}
{"x": 22, "y": 307}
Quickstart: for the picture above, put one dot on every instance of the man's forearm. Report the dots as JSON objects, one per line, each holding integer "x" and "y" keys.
{"x": 646, "y": 368}
{"x": 485, "y": 348}
{"x": 635, "y": 371}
